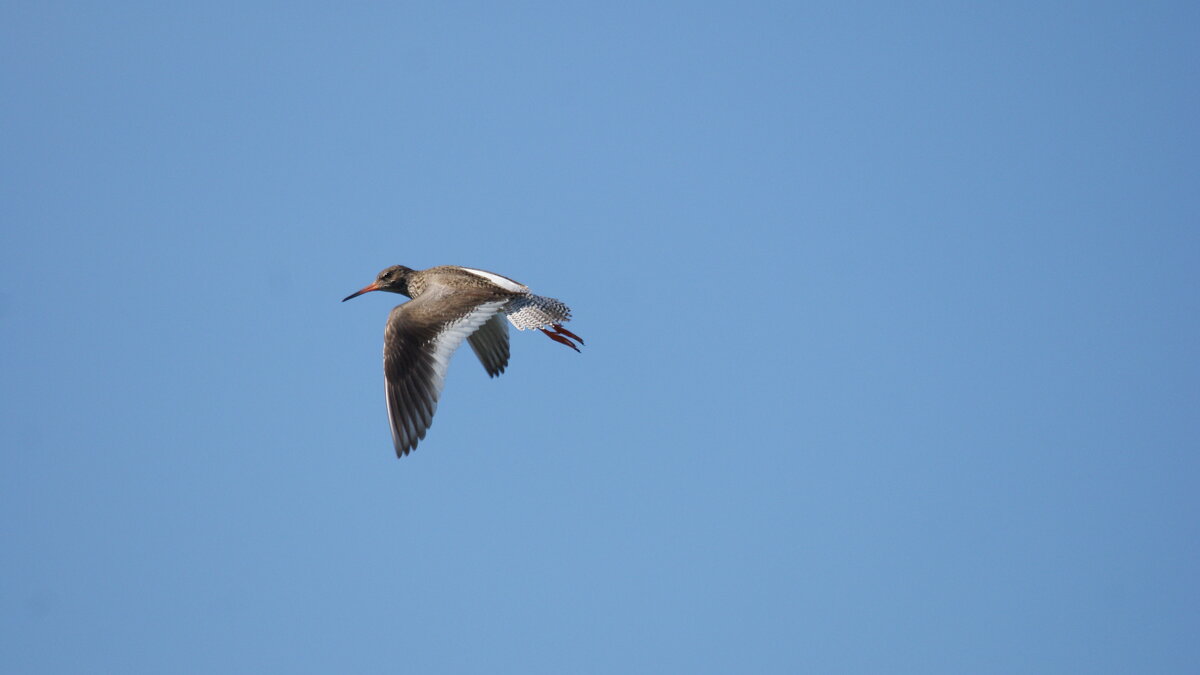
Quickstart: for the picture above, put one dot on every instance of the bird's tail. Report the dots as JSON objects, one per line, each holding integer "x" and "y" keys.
{"x": 531, "y": 311}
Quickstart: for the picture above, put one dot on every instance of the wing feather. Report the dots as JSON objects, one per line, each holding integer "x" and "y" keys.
{"x": 490, "y": 344}
{"x": 420, "y": 338}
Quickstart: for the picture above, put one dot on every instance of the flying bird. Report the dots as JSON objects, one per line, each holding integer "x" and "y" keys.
{"x": 450, "y": 304}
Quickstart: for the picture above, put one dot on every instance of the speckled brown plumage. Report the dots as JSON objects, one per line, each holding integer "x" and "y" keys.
{"x": 450, "y": 304}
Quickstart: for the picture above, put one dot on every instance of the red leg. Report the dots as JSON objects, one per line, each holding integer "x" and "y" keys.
{"x": 559, "y": 339}
{"x": 559, "y": 329}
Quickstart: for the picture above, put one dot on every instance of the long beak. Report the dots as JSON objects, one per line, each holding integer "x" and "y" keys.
{"x": 372, "y": 287}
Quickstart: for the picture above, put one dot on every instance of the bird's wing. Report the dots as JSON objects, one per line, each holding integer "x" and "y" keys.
{"x": 421, "y": 336}
{"x": 490, "y": 344}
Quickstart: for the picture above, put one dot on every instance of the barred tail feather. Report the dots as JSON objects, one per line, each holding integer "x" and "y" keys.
{"x": 531, "y": 311}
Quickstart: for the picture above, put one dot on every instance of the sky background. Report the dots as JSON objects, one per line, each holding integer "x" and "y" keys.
{"x": 891, "y": 310}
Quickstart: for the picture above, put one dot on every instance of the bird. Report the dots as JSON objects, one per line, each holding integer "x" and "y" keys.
{"x": 450, "y": 304}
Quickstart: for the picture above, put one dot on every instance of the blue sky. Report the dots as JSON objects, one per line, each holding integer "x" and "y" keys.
{"x": 892, "y": 364}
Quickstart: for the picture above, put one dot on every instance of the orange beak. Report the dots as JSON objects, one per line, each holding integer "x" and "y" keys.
{"x": 372, "y": 287}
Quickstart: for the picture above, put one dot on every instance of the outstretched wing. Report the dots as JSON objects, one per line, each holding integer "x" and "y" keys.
{"x": 490, "y": 344}
{"x": 421, "y": 336}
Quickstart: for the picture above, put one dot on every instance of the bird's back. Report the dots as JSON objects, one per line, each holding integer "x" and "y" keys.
{"x": 465, "y": 278}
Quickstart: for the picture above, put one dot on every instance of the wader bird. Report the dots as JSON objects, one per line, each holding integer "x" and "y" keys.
{"x": 450, "y": 304}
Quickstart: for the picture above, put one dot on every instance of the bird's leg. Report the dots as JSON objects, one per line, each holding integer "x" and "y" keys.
{"x": 559, "y": 339}
{"x": 563, "y": 331}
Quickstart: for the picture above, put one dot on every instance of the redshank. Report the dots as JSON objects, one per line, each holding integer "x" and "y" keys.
{"x": 450, "y": 304}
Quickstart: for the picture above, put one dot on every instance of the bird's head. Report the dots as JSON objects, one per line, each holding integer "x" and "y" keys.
{"x": 393, "y": 279}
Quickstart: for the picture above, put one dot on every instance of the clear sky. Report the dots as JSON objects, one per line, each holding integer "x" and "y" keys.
{"x": 891, "y": 310}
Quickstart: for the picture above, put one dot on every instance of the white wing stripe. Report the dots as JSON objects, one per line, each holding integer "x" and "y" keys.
{"x": 503, "y": 282}
{"x": 452, "y": 336}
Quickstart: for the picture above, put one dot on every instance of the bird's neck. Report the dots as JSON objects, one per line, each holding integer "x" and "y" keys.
{"x": 405, "y": 287}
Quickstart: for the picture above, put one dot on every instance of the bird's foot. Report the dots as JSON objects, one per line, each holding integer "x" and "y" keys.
{"x": 562, "y": 336}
